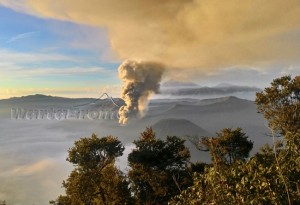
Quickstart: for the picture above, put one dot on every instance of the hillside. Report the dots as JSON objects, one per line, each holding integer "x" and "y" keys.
{"x": 178, "y": 127}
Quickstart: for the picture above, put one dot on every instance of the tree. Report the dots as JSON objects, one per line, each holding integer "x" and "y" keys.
{"x": 92, "y": 153}
{"x": 257, "y": 181}
{"x": 229, "y": 146}
{"x": 95, "y": 179}
{"x": 280, "y": 104}
{"x": 271, "y": 176}
{"x": 158, "y": 168}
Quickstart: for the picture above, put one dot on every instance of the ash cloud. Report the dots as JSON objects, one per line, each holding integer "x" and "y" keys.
{"x": 202, "y": 36}
{"x": 140, "y": 79}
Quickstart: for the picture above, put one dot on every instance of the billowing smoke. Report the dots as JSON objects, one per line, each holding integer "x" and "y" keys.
{"x": 141, "y": 79}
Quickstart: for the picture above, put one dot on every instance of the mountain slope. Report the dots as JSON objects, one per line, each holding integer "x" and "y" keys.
{"x": 39, "y": 101}
{"x": 182, "y": 128}
{"x": 178, "y": 127}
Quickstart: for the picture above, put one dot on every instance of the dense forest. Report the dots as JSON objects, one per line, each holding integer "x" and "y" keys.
{"x": 160, "y": 170}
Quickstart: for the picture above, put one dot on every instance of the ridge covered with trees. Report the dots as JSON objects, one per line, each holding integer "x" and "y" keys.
{"x": 160, "y": 171}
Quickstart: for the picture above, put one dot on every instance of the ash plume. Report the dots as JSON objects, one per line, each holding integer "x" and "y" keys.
{"x": 140, "y": 79}
{"x": 194, "y": 37}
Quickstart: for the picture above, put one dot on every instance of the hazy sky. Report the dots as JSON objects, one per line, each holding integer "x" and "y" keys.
{"x": 73, "y": 47}
{"x": 53, "y": 57}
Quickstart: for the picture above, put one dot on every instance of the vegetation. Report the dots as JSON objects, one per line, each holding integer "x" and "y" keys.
{"x": 228, "y": 147}
{"x": 161, "y": 173}
{"x": 271, "y": 176}
{"x": 159, "y": 169}
{"x": 280, "y": 104}
{"x": 95, "y": 179}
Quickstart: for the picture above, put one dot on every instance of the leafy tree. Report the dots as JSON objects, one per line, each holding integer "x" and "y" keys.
{"x": 272, "y": 176}
{"x": 91, "y": 153}
{"x": 280, "y": 104}
{"x": 199, "y": 167}
{"x": 158, "y": 168}
{"x": 229, "y": 146}
{"x": 95, "y": 179}
{"x": 62, "y": 200}
{"x": 257, "y": 181}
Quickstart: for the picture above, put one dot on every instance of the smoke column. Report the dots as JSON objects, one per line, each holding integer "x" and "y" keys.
{"x": 140, "y": 79}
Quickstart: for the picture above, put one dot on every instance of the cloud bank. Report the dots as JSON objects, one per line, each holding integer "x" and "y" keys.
{"x": 198, "y": 35}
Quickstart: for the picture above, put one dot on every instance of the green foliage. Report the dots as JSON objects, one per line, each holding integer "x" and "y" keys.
{"x": 198, "y": 167}
{"x": 272, "y": 176}
{"x": 259, "y": 181}
{"x": 280, "y": 104}
{"x": 159, "y": 169}
{"x": 95, "y": 179}
{"x": 94, "y": 152}
{"x": 62, "y": 200}
{"x": 161, "y": 172}
{"x": 229, "y": 146}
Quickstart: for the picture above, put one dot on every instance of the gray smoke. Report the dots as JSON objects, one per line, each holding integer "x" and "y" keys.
{"x": 140, "y": 79}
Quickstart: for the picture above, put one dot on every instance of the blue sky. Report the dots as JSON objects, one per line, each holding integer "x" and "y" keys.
{"x": 39, "y": 56}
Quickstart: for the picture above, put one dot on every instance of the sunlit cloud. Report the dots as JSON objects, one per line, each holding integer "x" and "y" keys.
{"x": 17, "y": 71}
{"x": 16, "y": 57}
{"x": 21, "y": 36}
{"x": 19, "y": 64}
{"x": 35, "y": 168}
{"x": 73, "y": 92}
{"x": 198, "y": 35}
{"x": 33, "y": 71}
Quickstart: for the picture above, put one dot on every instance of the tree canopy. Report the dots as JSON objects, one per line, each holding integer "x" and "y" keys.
{"x": 161, "y": 172}
{"x": 280, "y": 104}
{"x": 159, "y": 168}
{"x": 229, "y": 145}
{"x": 95, "y": 179}
{"x": 271, "y": 176}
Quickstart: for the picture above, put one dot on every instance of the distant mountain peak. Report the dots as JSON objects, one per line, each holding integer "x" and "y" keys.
{"x": 222, "y": 85}
{"x": 218, "y": 90}
{"x": 38, "y": 96}
{"x": 172, "y": 83}
{"x": 177, "y": 127}
{"x": 33, "y": 96}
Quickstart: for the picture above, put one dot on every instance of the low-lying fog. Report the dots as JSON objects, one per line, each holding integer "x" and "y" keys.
{"x": 33, "y": 152}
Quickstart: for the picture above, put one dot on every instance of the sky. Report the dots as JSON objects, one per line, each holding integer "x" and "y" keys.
{"x": 53, "y": 57}
{"x": 73, "y": 48}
